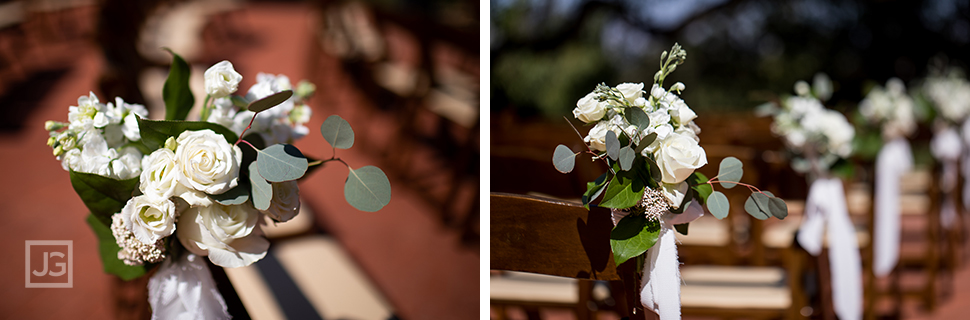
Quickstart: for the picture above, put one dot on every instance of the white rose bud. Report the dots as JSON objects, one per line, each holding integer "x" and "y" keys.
{"x": 227, "y": 234}
{"x": 206, "y": 162}
{"x": 678, "y": 157}
{"x": 221, "y": 80}
{"x": 631, "y": 91}
{"x": 148, "y": 218}
{"x": 681, "y": 113}
{"x": 589, "y": 109}
{"x": 674, "y": 193}
{"x": 286, "y": 201}
{"x": 596, "y": 138}
{"x": 158, "y": 175}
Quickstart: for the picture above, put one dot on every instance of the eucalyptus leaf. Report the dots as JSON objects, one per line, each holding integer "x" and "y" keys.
{"x": 637, "y": 117}
{"x": 281, "y": 162}
{"x": 777, "y": 206}
{"x": 730, "y": 170}
{"x": 239, "y": 102}
{"x": 594, "y": 189}
{"x": 632, "y": 236}
{"x": 564, "y": 159}
{"x": 645, "y": 142}
{"x": 155, "y": 132}
{"x": 718, "y": 205}
{"x": 337, "y": 132}
{"x": 269, "y": 101}
{"x": 757, "y": 206}
{"x": 623, "y": 191}
{"x": 176, "y": 93}
{"x": 612, "y": 145}
{"x": 235, "y": 196}
{"x": 682, "y": 228}
{"x": 102, "y": 195}
{"x": 626, "y": 158}
{"x": 367, "y": 189}
{"x": 262, "y": 190}
{"x": 108, "y": 249}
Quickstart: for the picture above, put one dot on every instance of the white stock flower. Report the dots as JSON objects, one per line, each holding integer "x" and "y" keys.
{"x": 159, "y": 174}
{"x": 148, "y": 218}
{"x": 589, "y": 109}
{"x": 678, "y": 156}
{"x": 87, "y": 114}
{"x": 286, "y": 201}
{"x": 221, "y": 79}
{"x": 227, "y": 234}
{"x": 206, "y": 162}
{"x": 631, "y": 91}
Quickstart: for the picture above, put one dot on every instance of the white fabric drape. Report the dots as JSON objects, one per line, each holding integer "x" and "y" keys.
{"x": 947, "y": 148}
{"x": 826, "y": 208}
{"x": 185, "y": 290}
{"x": 893, "y": 161}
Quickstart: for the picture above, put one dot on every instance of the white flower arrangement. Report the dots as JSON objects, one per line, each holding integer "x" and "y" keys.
{"x": 816, "y": 135}
{"x": 949, "y": 93}
{"x": 175, "y": 191}
{"x": 891, "y": 108}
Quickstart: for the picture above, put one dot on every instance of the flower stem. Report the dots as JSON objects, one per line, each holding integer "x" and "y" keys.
{"x": 247, "y": 128}
{"x": 205, "y": 108}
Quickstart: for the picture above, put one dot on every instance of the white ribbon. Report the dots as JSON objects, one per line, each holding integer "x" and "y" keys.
{"x": 660, "y": 286}
{"x": 894, "y": 160}
{"x": 185, "y": 290}
{"x": 825, "y": 207}
{"x": 947, "y": 148}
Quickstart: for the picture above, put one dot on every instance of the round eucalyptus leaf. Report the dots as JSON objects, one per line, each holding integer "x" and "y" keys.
{"x": 612, "y": 145}
{"x": 281, "y": 162}
{"x": 638, "y": 117}
{"x": 626, "y": 158}
{"x": 337, "y": 132}
{"x": 262, "y": 192}
{"x": 563, "y": 159}
{"x": 235, "y": 196}
{"x": 367, "y": 188}
{"x": 757, "y": 206}
{"x": 730, "y": 170}
{"x": 269, "y": 101}
{"x": 718, "y": 205}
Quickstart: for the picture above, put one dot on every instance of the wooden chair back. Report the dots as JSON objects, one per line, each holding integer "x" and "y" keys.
{"x": 553, "y": 237}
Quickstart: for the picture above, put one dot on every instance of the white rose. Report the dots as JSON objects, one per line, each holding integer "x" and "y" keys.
{"x": 589, "y": 109}
{"x": 674, "y": 193}
{"x": 631, "y": 91}
{"x": 596, "y": 138}
{"x": 221, "y": 79}
{"x": 158, "y": 176}
{"x": 206, "y": 162}
{"x": 148, "y": 218}
{"x": 678, "y": 157}
{"x": 681, "y": 113}
{"x": 286, "y": 201}
{"x": 227, "y": 234}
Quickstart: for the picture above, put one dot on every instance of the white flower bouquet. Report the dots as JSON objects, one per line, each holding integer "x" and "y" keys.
{"x": 649, "y": 143}
{"x": 172, "y": 191}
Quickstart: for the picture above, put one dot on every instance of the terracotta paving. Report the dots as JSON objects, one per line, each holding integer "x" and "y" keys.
{"x": 423, "y": 267}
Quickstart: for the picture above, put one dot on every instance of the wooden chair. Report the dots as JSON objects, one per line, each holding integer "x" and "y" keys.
{"x": 550, "y": 237}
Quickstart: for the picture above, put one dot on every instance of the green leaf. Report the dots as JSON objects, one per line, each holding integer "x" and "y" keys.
{"x": 367, "y": 188}
{"x": 337, "y": 132}
{"x": 239, "y": 102}
{"x": 654, "y": 170}
{"x": 632, "y": 236}
{"x": 646, "y": 141}
{"x": 281, "y": 162}
{"x": 176, "y": 93}
{"x": 682, "y": 228}
{"x": 109, "y": 251}
{"x": 563, "y": 159}
{"x": 102, "y": 195}
{"x": 623, "y": 191}
{"x": 718, "y": 205}
{"x": 698, "y": 182}
{"x": 269, "y": 101}
{"x": 234, "y": 196}
{"x": 777, "y": 206}
{"x": 262, "y": 191}
{"x": 638, "y": 117}
{"x": 594, "y": 189}
{"x": 155, "y": 132}
{"x": 626, "y": 158}
{"x": 757, "y": 206}
{"x": 612, "y": 145}
{"x": 730, "y": 170}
